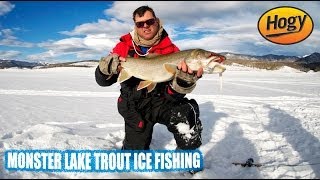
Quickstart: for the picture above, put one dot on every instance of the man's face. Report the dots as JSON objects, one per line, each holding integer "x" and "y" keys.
{"x": 147, "y": 32}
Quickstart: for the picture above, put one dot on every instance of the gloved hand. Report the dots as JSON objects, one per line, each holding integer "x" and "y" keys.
{"x": 109, "y": 65}
{"x": 185, "y": 80}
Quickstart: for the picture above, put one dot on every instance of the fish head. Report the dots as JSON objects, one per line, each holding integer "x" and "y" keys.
{"x": 210, "y": 61}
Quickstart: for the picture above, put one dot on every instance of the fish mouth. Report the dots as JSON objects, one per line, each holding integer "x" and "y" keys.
{"x": 216, "y": 57}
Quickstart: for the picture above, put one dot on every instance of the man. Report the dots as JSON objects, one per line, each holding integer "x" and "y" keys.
{"x": 166, "y": 104}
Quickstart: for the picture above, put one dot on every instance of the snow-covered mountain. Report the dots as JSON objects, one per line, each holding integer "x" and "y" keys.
{"x": 308, "y": 60}
{"x": 312, "y": 58}
{"x": 25, "y": 64}
{"x": 268, "y": 57}
{"x": 19, "y": 64}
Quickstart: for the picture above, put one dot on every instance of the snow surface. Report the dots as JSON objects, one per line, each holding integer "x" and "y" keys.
{"x": 270, "y": 116}
{"x": 86, "y": 63}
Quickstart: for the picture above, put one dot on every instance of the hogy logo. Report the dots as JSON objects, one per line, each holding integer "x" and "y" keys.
{"x": 285, "y": 25}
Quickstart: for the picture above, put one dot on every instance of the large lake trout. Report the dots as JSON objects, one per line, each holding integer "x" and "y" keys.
{"x": 161, "y": 68}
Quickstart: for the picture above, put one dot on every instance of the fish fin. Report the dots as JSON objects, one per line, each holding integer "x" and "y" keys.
{"x": 151, "y": 87}
{"x": 144, "y": 84}
{"x": 171, "y": 68}
{"x": 152, "y": 55}
{"x": 123, "y": 76}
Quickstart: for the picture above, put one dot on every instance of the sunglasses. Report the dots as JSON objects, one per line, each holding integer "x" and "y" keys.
{"x": 149, "y": 22}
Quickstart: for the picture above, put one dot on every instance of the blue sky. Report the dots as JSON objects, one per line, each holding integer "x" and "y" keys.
{"x": 81, "y": 30}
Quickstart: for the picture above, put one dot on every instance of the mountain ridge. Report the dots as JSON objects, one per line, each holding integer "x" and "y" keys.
{"x": 311, "y": 58}
{"x": 305, "y": 63}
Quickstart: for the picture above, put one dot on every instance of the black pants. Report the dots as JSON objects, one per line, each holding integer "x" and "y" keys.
{"x": 141, "y": 115}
